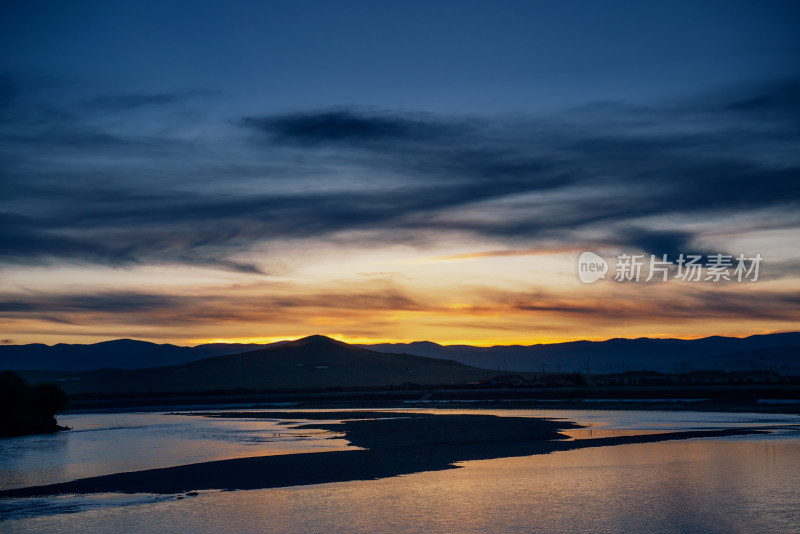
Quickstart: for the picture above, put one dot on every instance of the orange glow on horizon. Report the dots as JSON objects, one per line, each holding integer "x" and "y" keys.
{"x": 525, "y": 341}
{"x": 375, "y": 341}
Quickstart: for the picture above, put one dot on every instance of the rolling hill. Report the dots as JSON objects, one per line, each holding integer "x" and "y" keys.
{"x": 781, "y": 352}
{"x": 778, "y": 351}
{"x": 118, "y": 354}
{"x": 315, "y": 362}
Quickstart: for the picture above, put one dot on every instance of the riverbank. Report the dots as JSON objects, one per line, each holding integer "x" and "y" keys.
{"x": 783, "y": 399}
{"x": 26, "y": 410}
{"x": 390, "y": 444}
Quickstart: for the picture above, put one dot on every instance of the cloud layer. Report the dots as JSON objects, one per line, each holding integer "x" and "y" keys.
{"x": 78, "y": 187}
{"x": 147, "y": 180}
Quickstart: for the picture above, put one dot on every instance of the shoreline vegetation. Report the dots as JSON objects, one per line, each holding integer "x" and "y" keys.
{"x": 389, "y": 444}
{"x": 759, "y": 398}
{"x": 27, "y": 410}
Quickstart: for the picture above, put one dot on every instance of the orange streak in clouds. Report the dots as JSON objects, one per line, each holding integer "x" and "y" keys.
{"x": 502, "y": 253}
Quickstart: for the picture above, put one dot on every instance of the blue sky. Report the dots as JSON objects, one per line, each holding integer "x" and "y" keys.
{"x": 465, "y": 57}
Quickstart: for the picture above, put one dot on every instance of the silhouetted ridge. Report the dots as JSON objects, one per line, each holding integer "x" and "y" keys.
{"x": 315, "y": 341}
{"x": 760, "y": 352}
{"x": 310, "y": 363}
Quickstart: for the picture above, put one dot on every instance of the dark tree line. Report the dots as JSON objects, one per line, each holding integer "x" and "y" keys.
{"x": 26, "y": 409}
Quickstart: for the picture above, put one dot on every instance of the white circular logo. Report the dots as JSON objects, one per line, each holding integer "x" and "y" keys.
{"x": 591, "y": 267}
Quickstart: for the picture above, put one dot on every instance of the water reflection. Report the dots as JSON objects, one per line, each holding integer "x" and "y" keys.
{"x": 101, "y": 444}
{"x": 739, "y": 484}
{"x": 688, "y": 486}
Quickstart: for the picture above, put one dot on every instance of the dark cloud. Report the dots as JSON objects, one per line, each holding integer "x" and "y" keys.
{"x": 671, "y": 243}
{"x": 110, "y": 302}
{"x": 687, "y": 305}
{"x": 159, "y": 309}
{"x": 22, "y": 238}
{"x": 344, "y": 126}
{"x": 75, "y": 190}
{"x": 370, "y": 304}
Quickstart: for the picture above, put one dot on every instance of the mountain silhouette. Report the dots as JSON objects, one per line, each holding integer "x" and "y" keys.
{"x": 619, "y": 354}
{"x": 311, "y": 363}
{"x": 119, "y": 353}
{"x": 615, "y": 355}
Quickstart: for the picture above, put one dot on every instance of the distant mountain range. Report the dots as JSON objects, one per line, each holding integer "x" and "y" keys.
{"x": 312, "y": 363}
{"x": 117, "y": 354}
{"x": 780, "y": 352}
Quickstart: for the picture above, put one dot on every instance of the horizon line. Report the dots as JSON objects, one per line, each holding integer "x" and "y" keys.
{"x": 368, "y": 341}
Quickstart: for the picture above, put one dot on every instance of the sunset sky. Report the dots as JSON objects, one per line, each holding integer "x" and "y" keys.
{"x": 199, "y": 171}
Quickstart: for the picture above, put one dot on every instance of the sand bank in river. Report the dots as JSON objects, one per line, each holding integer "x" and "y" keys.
{"x": 391, "y": 443}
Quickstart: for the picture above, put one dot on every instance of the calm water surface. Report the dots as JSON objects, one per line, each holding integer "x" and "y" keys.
{"x": 743, "y": 484}
{"x": 101, "y": 444}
